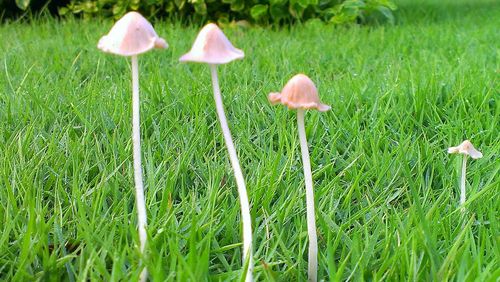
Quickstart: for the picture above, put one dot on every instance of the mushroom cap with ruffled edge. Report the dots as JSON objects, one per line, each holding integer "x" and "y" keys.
{"x": 131, "y": 35}
{"x": 212, "y": 47}
{"x": 466, "y": 148}
{"x": 299, "y": 93}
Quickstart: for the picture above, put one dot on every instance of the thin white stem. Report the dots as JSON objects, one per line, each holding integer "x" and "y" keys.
{"x": 462, "y": 182}
{"x": 312, "y": 269}
{"x": 136, "y": 144}
{"x": 240, "y": 182}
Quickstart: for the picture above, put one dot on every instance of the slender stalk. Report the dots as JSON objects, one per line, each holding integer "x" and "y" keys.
{"x": 462, "y": 182}
{"x": 240, "y": 182}
{"x": 312, "y": 269}
{"x": 136, "y": 144}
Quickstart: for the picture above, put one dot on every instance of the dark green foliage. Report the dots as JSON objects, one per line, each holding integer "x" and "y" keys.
{"x": 224, "y": 11}
{"x": 13, "y": 9}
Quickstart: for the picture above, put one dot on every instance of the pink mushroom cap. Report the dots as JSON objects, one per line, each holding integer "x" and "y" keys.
{"x": 131, "y": 35}
{"x": 466, "y": 148}
{"x": 212, "y": 47}
{"x": 299, "y": 93}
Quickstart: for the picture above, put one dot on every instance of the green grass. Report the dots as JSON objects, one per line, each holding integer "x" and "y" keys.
{"x": 386, "y": 190}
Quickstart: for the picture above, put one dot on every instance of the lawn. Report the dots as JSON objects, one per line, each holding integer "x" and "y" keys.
{"x": 386, "y": 190}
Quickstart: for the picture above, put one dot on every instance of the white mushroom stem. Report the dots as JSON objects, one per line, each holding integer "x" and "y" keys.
{"x": 240, "y": 182}
{"x": 312, "y": 269}
{"x": 462, "y": 181}
{"x": 136, "y": 144}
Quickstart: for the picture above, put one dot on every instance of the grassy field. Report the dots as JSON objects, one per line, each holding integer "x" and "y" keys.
{"x": 386, "y": 190}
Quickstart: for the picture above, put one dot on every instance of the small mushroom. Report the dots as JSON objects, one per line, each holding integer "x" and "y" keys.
{"x": 213, "y": 48}
{"x": 130, "y": 36}
{"x": 467, "y": 149}
{"x": 301, "y": 94}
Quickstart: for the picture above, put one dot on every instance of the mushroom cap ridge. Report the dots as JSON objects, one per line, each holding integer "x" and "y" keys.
{"x": 211, "y": 46}
{"x": 131, "y": 35}
{"x": 299, "y": 93}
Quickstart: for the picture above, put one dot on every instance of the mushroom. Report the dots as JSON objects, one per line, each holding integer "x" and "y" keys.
{"x": 133, "y": 35}
{"x": 213, "y": 48}
{"x": 301, "y": 94}
{"x": 467, "y": 149}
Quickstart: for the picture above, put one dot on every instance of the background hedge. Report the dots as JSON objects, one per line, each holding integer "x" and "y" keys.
{"x": 222, "y": 11}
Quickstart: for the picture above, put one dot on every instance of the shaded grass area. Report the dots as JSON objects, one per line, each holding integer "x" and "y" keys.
{"x": 386, "y": 190}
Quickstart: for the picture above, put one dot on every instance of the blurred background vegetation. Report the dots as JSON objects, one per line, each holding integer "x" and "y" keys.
{"x": 222, "y": 11}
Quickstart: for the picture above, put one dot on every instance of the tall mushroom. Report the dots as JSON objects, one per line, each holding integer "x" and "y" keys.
{"x": 301, "y": 94}
{"x": 213, "y": 48}
{"x": 133, "y": 35}
{"x": 467, "y": 149}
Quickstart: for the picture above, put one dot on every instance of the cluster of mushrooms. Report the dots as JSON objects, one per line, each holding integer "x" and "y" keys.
{"x": 133, "y": 35}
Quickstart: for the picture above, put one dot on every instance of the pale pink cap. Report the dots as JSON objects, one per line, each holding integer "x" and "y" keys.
{"x": 212, "y": 47}
{"x": 299, "y": 93}
{"x": 131, "y": 35}
{"x": 466, "y": 148}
